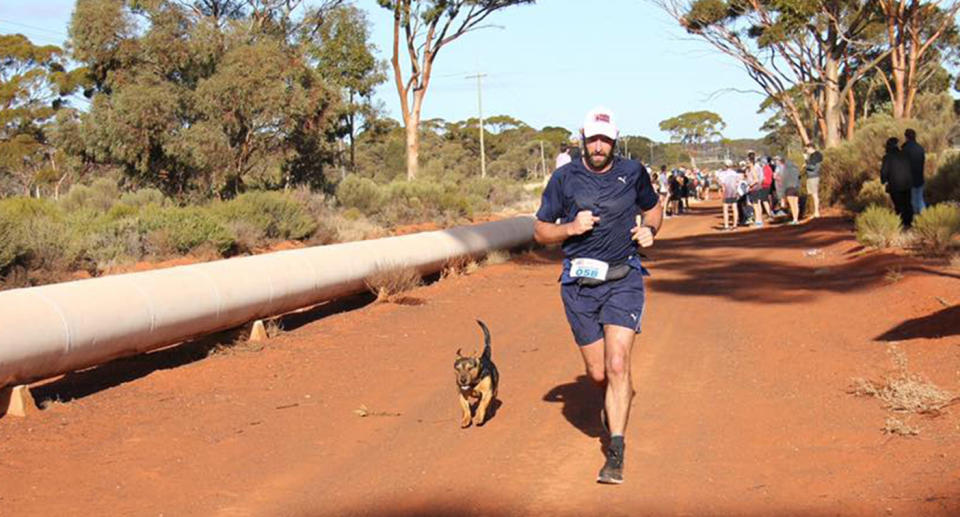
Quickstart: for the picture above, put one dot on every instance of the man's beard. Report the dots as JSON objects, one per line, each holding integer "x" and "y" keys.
{"x": 598, "y": 166}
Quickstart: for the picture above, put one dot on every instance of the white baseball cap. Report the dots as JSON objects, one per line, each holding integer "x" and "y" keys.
{"x": 600, "y": 121}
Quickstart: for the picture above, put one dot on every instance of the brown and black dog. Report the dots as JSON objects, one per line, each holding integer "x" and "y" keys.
{"x": 477, "y": 379}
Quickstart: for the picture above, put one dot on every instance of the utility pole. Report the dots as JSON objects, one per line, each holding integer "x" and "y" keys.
{"x": 543, "y": 161}
{"x": 483, "y": 158}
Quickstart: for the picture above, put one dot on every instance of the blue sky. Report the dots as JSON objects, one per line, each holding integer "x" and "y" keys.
{"x": 545, "y": 64}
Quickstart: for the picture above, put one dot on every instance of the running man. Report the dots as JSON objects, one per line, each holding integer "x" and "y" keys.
{"x": 601, "y": 207}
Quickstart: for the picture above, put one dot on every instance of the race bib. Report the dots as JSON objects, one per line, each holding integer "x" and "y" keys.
{"x": 589, "y": 268}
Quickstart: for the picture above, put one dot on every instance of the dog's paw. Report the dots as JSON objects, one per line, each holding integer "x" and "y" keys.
{"x": 465, "y": 423}
{"x": 478, "y": 420}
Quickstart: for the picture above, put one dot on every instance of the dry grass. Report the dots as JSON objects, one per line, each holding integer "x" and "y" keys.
{"x": 904, "y": 392}
{"x": 496, "y": 257}
{"x": 459, "y": 265}
{"x": 955, "y": 261}
{"x": 389, "y": 281}
{"x": 898, "y": 427}
{"x": 893, "y": 275}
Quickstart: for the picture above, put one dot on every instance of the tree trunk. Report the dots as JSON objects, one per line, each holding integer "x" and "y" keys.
{"x": 851, "y": 114}
{"x": 831, "y": 102}
{"x": 413, "y": 149}
{"x": 351, "y": 119}
{"x": 897, "y": 57}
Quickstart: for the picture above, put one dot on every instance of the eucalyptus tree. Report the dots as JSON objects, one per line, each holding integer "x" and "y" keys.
{"x": 424, "y": 27}
{"x": 204, "y": 96}
{"x": 920, "y": 35}
{"x": 34, "y": 84}
{"x": 345, "y": 57}
{"x": 693, "y": 129}
{"x": 815, "y": 48}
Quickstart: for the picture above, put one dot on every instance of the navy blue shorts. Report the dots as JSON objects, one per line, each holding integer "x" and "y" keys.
{"x": 618, "y": 302}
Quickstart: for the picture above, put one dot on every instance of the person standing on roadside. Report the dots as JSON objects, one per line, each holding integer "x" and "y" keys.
{"x": 729, "y": 182}
{"x": 755, "y": 181}
{"x": 812, "y": 168}
{"x": 895, "y": 174}
{"x": 917, "y": 156}
{"x": 790, "y": 180}
{"x": 563, "y": 158}
{"x": 601, "y": 208}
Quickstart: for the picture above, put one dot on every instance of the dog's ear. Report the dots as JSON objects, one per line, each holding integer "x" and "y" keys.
{"x": 458, "y": 353}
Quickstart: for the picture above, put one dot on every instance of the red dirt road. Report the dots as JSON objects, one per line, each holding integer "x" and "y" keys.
{"x": 751, "y": 341}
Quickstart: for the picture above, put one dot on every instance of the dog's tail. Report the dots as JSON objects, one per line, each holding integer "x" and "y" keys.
{"x": 486, "y": 340}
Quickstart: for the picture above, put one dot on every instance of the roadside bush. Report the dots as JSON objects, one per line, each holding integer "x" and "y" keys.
{"x": 360, "y": 193}
{"x": 182, "y": 229}
{"x": 275, "y": 214}
{"x": 850, "y": 164}
{"x": 878, "y": 227}
{"x": 945, "y": 184}
{"x": 872, "y": 192}
{"x": 99, "y": 196}
{"x": 936, "y": 227}
{"x": 40, "y": 237}
{"x": 143, "y": 197}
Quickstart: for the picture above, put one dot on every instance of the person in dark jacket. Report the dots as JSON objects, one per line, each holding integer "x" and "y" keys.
{"x": 917, "y": 156}
{"x": 895, "y": 175}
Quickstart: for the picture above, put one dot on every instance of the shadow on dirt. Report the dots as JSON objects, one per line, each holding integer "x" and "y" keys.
{"x": 940, "y": 324}
{"x": 678, "y": 265}
{"x": 582, "y": 400}
{"x": 86, "y": 382}
{"x": 82, "y": 383}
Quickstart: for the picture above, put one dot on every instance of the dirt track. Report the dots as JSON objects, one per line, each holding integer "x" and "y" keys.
{"x": 751, "y": 341}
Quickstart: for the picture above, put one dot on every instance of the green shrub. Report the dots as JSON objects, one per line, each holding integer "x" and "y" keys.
{"x": 360, "y": 193}
{"x": 945, "y": 184}
{"x": 872, "y": 192}
{"x": 182, "y": 229}
{"x": 847, "y": 166}
{"x": 936, "y": 227}
{"x": 878, "y": 227}
{"x": 39, "y": 237}
{"x": 143, "y": 197}
{"x": 275, "y": 214}
{"x": 99, "y": 196}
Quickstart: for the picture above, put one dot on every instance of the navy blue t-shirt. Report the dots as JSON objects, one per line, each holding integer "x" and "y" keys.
{"x": 616, "y": 197}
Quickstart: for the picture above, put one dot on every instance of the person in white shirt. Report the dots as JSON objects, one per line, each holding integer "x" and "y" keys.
{"x": 564, "y": 157}
{"x": 729, "y": 180}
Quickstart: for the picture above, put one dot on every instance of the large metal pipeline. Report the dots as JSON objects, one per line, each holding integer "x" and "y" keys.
{"x": 58, "y": 328}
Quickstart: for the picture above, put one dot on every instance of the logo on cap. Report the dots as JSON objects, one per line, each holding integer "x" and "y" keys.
{"x": 601, "y": 117}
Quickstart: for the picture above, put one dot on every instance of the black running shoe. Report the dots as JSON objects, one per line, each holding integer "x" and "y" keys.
{"x": 612, "y": 471}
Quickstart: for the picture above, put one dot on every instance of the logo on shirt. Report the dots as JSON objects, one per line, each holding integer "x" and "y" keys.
{"x": 622, "y": 179}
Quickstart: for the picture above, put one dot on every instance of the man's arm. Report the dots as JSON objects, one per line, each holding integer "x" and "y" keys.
{"x": 551, "y": 233}
{"x": 648, "y": 224}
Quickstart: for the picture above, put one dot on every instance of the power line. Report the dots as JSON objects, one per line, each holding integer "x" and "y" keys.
{"x": 34, "y": 27}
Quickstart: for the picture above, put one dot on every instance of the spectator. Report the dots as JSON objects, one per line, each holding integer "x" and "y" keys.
{"x": 790, "y": 180}
{"x": 917, "y": 156}
{"x": 729, "y": 182}
{"x": 812, "y": 168}
{"x": 564, "y": 157}
{"x": 896, "y": 175}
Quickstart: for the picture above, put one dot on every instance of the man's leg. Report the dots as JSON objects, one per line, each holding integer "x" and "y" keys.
{"x": 916, "y": 199}
{"x": 618, "y": 343}
{"x": 725, "y": 224}
{"x": 736, "y": 216}
{"x": 593, "y": 361}
{"x": 794, "y": 203}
